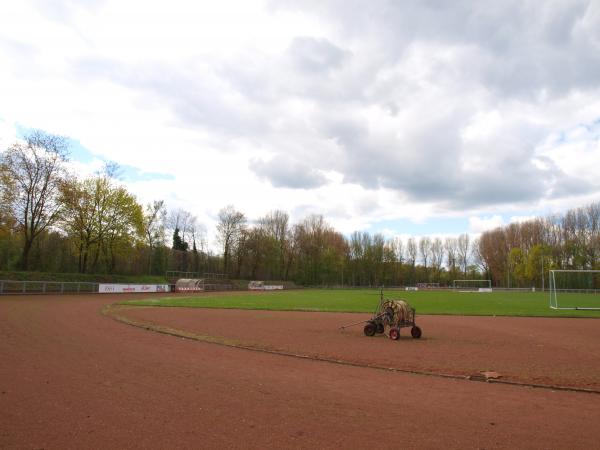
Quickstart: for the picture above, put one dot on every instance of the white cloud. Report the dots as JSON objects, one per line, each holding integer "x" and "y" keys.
{"x": 84, "y": 170}
{"x": 8, "y": 134}
{"x": 385, "y": 112}
{"x": 521, "y": 219}
{"x": 478, "y": 225}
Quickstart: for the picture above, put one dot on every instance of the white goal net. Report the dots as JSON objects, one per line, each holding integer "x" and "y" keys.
{"x": 575, "y": 289}
{"x": 472, "y": 285}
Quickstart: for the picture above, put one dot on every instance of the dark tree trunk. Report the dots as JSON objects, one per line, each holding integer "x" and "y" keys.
{"x": 25, "y": 255}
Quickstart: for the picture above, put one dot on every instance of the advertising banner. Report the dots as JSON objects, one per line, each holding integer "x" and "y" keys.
{"x": 131, "y": 288}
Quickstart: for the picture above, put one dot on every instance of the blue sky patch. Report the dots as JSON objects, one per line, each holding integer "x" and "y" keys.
{"x": 433, "y": 226}
{"x": 79, "y": 153}
{"x": 131, "y": 173}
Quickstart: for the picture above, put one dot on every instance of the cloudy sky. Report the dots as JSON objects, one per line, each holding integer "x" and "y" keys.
{"x": 402, "y": 117}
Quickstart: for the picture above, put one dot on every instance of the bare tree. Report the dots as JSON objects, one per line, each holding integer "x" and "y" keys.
{"x": 495, "y": 252}
{"x": 7, "y": 190}
{"x": 437, "y": 255}
{"x": 276, "y": 224}
{"x": 199, "y": 247}
{"x": 398, "y": 246}
{"x": 451, "y": 247}
{"x": 593, "y": 226}
{"x": 411, "y": 250}
{"x": 155, "y": 217}
{"x": 377, "y": 258}
{"x": 35, "y": 170}
{"x": 231, "y": 223}
{"x": 477, "y": 255}
{"x": 198, "y": 234}
{"x": 110, "y": 170}
{"x": 182, "y": 221}
{"x": 424, "y": 250}
{"x": 463, "y": 252}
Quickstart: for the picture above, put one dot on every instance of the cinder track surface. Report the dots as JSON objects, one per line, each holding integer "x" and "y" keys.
{"x": 71, "y": 377}
{"x": 540, "y": 351}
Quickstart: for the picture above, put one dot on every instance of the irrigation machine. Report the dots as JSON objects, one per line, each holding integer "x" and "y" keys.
{"x": 391, "y": 315}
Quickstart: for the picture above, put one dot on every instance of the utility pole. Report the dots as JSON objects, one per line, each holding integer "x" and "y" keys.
{"x": 508, "y": 271}
{"x": 543, "y": 272}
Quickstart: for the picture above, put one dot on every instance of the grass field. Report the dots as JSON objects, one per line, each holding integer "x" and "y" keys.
{"x": 425, "y": 302}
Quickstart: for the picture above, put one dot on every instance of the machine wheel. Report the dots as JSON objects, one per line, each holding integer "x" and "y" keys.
{"x": 370, "y": 329}
{"x": 394, "y": 334}
{"x": 416, "y": 332}
{"x": 379, "y": 327}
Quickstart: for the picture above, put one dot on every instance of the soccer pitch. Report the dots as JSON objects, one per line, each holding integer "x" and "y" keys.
{"x": 500, "y": 303}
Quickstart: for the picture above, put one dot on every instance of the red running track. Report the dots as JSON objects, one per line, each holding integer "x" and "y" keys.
{"x": 71, "y": 377}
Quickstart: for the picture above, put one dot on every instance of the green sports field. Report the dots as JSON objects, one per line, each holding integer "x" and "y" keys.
{"x": 425, "y": 302}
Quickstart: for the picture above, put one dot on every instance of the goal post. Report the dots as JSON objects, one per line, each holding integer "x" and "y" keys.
{"x": 575, "y": 289}
{"x": 472, "y": 284}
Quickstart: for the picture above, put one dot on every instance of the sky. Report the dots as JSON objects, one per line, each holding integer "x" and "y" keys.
{"x": 406, "y": 118}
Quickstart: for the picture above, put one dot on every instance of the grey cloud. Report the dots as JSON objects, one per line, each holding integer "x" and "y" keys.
{"x": 198, "y": 97}
{"x": 283, "y": 171}
{"x": 431, "y": 164}
{"x": 421, "y": 164}
{"x": 316, "y": 55}
{"x": 498, "y": 53}
{"x": 567, "y": 186}
{"x": 527, "y": 46}
{"x": 502, "y": 185}
{"x": 24, "y": 57}
{"x": 63, "y": 11}
{"x": 310, "y": 69}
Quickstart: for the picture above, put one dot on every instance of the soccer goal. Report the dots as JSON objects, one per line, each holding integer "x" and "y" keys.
{"x": 575, "y": 289}
{"x": 473, "y": 285}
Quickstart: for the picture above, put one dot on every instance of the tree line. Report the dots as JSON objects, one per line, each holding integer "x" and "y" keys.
{"x": 521, "y": 254}
{"x": 54, "y": 221}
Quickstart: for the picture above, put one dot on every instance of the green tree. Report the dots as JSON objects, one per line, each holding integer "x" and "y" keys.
{"x": 82, "y": 205}
{"x": 518, "y": 264}
{"x": 178, "y": 242}
{"x": 101, "y": 218}
{"x": 34, "y": 171}
{"x": 123, "y": 228}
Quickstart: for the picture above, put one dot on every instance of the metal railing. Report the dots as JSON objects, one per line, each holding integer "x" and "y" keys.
{"x": 12, "y": 287}
{"x": 175, "y": 274}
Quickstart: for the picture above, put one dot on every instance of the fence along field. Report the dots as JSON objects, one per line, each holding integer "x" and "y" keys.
{"x": 12, "y": 287}
{"x": 571, "y": 302}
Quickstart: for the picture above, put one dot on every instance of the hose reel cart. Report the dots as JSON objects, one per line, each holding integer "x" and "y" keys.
{"x": 391, "y": 315}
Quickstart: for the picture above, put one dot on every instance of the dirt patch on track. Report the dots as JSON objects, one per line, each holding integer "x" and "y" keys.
{"x": 73, "y": 378}
{"x": 557, "y": 352}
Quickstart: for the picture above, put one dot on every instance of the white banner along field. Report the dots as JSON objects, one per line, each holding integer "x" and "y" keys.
{"x": 131, "y": 288}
